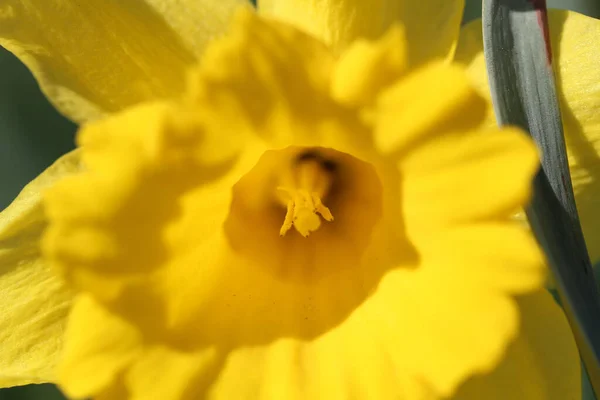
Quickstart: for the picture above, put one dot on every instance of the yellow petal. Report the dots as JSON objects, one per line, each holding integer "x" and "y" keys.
{"x": 368, "y": 67}
{"x": 446, "y": 281}
{"x": 35, "y": 302}
{"x": 474, "y": 339}
{"x": 428, "y": 101}
{"x": 431, "y": 26}
{"x": 97, "y": 57}
{"x": 98, "y": 345}
{"x": 514, "y": 265}
{"x": 180, "y": 375}
{"x": 484, "y": 171}
{"x": 542, "y": 363}
{"x": 576, "y": 53}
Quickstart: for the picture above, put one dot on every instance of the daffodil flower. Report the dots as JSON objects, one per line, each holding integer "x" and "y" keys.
{"x": 308, "y": 215}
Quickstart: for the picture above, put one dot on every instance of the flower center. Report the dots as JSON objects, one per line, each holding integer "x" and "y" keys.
{"x": 302, "y": 192}
{"x": 298, "y": 187}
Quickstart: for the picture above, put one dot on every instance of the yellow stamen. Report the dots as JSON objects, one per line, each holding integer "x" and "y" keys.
{"x": 303, "y": 195}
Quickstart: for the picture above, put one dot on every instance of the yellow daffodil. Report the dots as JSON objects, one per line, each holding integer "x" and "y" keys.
{"x": 246, "y": 227}
{"x": 309, "y": 217}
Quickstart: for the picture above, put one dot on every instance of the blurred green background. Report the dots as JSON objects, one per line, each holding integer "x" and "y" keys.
{"x": 33, "y": 135}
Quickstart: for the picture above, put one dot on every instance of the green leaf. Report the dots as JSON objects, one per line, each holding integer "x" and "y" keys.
{"x": 32, "y": 392}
